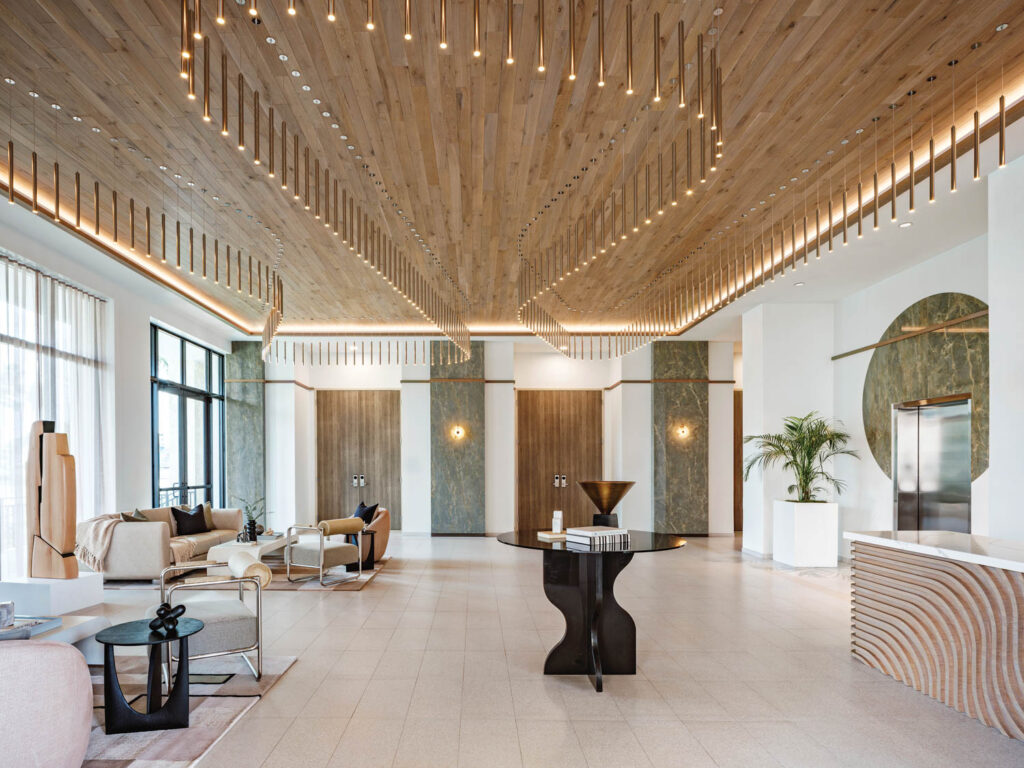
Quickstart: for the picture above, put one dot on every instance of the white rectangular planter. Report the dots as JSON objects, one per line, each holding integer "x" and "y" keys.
{"x": 806, "y": 535}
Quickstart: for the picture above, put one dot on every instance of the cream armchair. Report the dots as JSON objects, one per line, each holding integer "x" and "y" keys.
{"x": 321, "y": 552}
{"x": 230, "y": 625}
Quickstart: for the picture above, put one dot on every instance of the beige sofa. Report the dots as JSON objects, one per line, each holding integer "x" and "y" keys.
{"x": 143, "y": 550}
{"x": 46, "y": 705}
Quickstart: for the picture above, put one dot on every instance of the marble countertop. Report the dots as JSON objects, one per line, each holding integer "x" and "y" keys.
{"x": 963, "y": 547}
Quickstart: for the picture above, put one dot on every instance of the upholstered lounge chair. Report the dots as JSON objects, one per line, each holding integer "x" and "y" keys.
{"x": 381, "y": 528}
{"x": 316, "y": 549}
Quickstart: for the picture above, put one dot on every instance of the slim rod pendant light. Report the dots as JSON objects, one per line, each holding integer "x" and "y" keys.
{"x": 316, "y": 189}
{"x": 952, "y": 158}
{"x": 892, "y": 190}
{"x": 874, "y": 205}
{"x": 305, "y": 159}
{"x": 241, "y": 112}
{"x": 197, "y": 29}
{"x": 149, "y": 233}
{"x": 10, "y": 172}
{"x": 675, "y": 199}
{"x": 681, "y": 64}
{"x": 657, "y": 57}
{"x": 227, "y": 262}
{"x": 185, "y": 53}
{"x": 191, "y": 77}
{"x": 931, "y": 170}
{"x": 860, "y": 210}
{"x": 843, "y": 214}
{"x": 647, "y": 193}
{"x": 629, "y": 49}
{"x": 720, "y": 133}
{"x": 207, "y": 117}
{"x": 253, "y": 10}
{"x": 163, "y": 238}
{"x": 191, "y": 250}
{"x": 35, "y": 187}
{"x": 831, "y": 219}
{"x": 700, "y": 76}
{"x": 443, "y": 20}
{"x": 223, "y": 94}
{"x": 369, "y": 15}
{"x": 131, "y": 223}
{"x": 331, "y": 15}
{"x": 817, "y": 231}
{"x": 572, "y": 38}
{"x": 284, "y": 155}
{"x": 702, "y": 126}
{"x": 327, "y": 197}
{"x": 270, "y": 141}
{"x": 540, "y": 35}
{"x": 600, "y": 43}
{"x": 913, "y": 181}
{"x": 56, "y": 197}
{"x": 711, "y": 87}
{"x": 689, "y": 162}
{"x": 636, "y": 199}
{"x": 977, "y": 145}
{"x": 295, "y": 166}
{"x": 806, "y": 243}
{"x": 1002, "y": 131}
{"x": 220, "y": 12}
{"x": 177, "y": 243}
{"x": 661, "y": 188}
{"x": 256, "y": 127}
{"x": 78, "y": 200}
{"x": 509, "y": 50}
{"x": 291, "y": 8}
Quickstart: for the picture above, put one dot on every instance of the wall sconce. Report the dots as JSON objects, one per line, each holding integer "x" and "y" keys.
{"x": 457, "y": 432}
{"x": 681, "y": 432}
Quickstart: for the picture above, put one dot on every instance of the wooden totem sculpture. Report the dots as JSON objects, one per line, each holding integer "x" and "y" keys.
{"x": 50, "y": 503}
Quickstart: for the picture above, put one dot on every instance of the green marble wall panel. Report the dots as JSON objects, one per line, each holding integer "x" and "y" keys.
{"x": 680, "y": 463}
{"x": 244, "y": 444}
{"x": 947, "y": 362}
{"x": 457, "y": 465}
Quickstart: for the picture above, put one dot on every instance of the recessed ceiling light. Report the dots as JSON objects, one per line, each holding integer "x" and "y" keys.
{"x": 306, "y": 88}
{"x": 77, "y": 119}
{"x": 271, "y": 40}
{"x": 55, "y": 106}
{"x": 343, "y": 137}
{"x": 334, "y": 125}
{"x": 325, "y": 114}
{"x": 282, "y": 56}
{"x": 798, "y": 285}
{"x": 350, "y": 146}
{"x": 296, "y": 73}
{"x": 906, "y": 224}
{"x": 95, "y": 130}
{"x": 1002, "y": 27}
{"x": 9, "y": 81}
{"x": 163, "y": 167}
{"x": 33, "y": 94}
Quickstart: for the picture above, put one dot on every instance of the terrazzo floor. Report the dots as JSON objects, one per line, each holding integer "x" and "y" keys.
{"x": 438, "y": 663}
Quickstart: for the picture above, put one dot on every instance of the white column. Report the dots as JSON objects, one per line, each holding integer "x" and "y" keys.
{"x": 720, "y": 436}
{"x": 637, "y": 456}
{"x": 500, "y": 431}
{"x": 415, "y": 415}
{"x": 1006, "y": 350}
{"x": 787, "y": 371}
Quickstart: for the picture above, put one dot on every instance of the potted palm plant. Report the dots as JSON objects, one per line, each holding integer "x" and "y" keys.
{"x": 805, "y": 528}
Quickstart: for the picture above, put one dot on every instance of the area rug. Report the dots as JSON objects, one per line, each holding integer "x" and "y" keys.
{"x": 221, "y": 690}
{"x": 280, "y": 581}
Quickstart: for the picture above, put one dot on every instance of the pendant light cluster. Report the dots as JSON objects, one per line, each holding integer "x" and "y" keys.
{"x": 791, "y": 229}
{"x": 314, "y": 187}
{"x": 362, "y": 351}
{"x": 624, "y": 211}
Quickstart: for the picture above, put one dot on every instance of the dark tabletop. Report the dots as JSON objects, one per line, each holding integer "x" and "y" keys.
{"x": 139, "y": 633}
{"x": 639, "y": 541}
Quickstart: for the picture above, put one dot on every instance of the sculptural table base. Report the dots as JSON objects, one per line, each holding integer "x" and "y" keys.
{"x": 121, "y": 717}
{"x": 600, "y": 637}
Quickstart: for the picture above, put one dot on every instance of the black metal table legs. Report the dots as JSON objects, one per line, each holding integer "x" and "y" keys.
{"x": 120, "y": 717}
{"x": 600, "y": 637}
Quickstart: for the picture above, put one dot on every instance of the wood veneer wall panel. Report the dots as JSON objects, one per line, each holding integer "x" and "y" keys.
{"x": 557, "y": 431}
{"x": 358, "y": 432}
{"x": 952, "y": 630}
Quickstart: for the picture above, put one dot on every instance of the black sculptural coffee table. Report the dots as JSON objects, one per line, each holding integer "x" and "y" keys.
{"x": 119, "y": 715}
{"x": 600, "y": 637}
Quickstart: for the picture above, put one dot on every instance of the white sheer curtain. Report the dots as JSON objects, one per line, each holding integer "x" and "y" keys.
{"x": 52, "y": 365}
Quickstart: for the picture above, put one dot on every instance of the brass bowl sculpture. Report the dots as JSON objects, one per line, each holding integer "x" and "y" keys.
{"x": 605, "y": 494}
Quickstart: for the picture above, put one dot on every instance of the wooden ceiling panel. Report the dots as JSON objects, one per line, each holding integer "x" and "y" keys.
{"x": 469, "y": 151}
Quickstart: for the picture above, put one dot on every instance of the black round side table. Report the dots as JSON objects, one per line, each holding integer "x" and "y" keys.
{"x": 120, "y": 717}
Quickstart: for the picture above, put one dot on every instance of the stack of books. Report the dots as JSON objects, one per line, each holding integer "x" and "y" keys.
{"x": 596, "y": 537}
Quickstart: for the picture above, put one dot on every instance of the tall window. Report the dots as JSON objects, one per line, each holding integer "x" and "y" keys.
{"x": 188, "y": 421}
{"x": 52, "y": 366}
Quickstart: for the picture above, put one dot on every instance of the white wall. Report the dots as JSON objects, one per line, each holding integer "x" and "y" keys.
{"x": 637, "y": 448}
{"x": 500, "y": 431}
{"x": 787, "y": 371}
{"x": 860, "y": 320}
{"x": 720, "y": 437}
{"x": 415, "y": 408}
{"x": 537, "y": 366}
{"x": 134, "y": 301}
{"x": 1006, "y": 350}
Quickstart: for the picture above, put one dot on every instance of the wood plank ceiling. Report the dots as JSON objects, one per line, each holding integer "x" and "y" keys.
{"x": 478, "y": 157}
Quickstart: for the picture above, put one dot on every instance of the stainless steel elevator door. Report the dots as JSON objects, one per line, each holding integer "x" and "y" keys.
{"x": 932, "y": 466}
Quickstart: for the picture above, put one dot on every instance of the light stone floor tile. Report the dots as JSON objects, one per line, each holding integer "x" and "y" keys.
{"x": 439, "y": 662}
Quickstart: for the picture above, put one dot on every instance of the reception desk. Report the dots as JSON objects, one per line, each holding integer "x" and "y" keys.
{"x": 944, "y": 613}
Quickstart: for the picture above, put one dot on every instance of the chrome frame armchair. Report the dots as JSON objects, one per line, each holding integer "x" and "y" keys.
{"x": 347, "y": 526}
{"x": 166, "y": 595}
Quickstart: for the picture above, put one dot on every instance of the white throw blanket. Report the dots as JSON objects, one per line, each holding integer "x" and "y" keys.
{"x": 94, "y": 543}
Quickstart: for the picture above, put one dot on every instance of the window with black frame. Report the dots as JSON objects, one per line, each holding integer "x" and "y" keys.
{"x": 188, "y": 421}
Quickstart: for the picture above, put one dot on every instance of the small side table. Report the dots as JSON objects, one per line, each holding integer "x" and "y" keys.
{"x": 370, "y": 559}
{"x": 120, "y": 717}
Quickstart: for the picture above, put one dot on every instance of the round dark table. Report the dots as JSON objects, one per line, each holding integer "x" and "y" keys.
{"x": 119, "y": 715}
{"x": 600, "y": 637}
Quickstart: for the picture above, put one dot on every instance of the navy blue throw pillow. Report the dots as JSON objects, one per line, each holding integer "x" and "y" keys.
{"x": 366, "y": 513}
{"x": 190, "y": 521}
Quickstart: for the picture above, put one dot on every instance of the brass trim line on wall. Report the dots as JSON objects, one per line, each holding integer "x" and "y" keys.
{"x": 912, "y": 334}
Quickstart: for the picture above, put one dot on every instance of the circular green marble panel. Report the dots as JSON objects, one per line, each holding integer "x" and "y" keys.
{"x": 947, "y": 362}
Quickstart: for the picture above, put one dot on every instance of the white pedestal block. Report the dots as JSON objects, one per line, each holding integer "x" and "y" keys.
{"x": 806, "y": 535}
{"x": 52, "y": 597}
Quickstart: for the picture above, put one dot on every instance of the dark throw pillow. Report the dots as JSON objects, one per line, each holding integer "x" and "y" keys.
{"x": 134, "y": 517}
{"x": 190, "y": 521}
{"x": 366, "y": 513}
